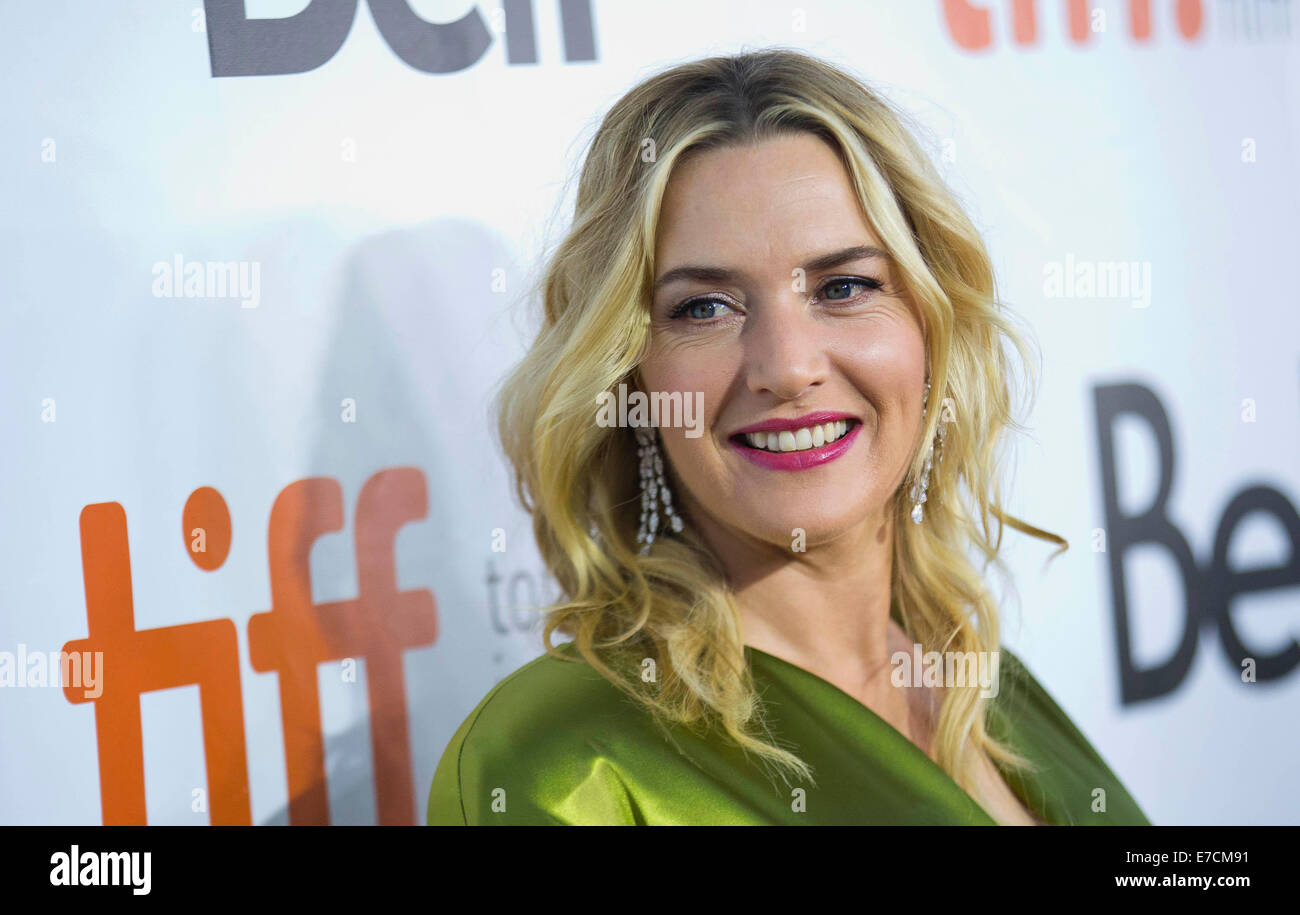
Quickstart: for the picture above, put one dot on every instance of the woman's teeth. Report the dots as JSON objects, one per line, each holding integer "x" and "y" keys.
{"x": 798, "y": 439}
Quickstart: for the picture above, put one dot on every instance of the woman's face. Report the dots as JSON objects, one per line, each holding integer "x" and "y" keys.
{"x": 775, "y": 300}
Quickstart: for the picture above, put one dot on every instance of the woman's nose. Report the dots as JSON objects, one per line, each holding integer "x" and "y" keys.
{"x": 785, "y": 349}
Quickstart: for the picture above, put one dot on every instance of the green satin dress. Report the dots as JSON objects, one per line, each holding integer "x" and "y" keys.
{"x": 555, "y": 743}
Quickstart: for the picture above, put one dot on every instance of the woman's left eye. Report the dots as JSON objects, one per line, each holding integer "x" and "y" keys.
{"x": 830, "y": 288}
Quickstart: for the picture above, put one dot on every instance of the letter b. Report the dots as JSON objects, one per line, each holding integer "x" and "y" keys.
{"x": 240, "y": 46}
{"x": 1150, "y": 526}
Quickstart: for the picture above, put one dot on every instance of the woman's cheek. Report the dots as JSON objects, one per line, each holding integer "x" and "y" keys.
{"x": 883, "y": 368}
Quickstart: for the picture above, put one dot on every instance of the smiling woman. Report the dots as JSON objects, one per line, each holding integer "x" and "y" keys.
{"x": 763, "y": 230}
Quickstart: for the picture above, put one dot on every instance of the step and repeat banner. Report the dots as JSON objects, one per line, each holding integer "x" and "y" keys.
{"x": 265, "y": 262}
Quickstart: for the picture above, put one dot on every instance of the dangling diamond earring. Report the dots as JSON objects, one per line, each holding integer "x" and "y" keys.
{"x": 935, "y": 455}
{"x": 653, "y": 488}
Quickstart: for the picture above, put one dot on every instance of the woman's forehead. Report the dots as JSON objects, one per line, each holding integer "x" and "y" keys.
{"x": 745, "y": 203}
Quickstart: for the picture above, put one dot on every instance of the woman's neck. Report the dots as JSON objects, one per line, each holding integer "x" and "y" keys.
{"x": 825, "y": 608}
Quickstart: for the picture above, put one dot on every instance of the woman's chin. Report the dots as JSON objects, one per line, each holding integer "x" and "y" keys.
{"x": 800, "y": 531}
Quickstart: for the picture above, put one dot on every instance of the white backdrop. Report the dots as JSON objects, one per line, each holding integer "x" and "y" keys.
{"x": 386, "y": 219}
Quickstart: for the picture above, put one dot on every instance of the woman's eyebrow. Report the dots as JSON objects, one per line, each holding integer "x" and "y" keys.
{"x": 707, "y": 274}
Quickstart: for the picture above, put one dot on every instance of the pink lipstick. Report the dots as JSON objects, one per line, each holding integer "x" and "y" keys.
{"x": 795, "y": 460}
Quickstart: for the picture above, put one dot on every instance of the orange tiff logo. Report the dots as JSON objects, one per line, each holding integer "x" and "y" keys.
{"x": 291, "y": 638}
{"x": 970, "y": 24}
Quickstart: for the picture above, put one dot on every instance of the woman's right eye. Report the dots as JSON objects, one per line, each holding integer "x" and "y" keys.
{"x": 699, "y": 309}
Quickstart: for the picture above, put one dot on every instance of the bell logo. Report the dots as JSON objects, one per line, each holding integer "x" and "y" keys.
{"x": 970, "y": 24}
{"x": 240, "y": 46}
{"x": 1210, "y": 589}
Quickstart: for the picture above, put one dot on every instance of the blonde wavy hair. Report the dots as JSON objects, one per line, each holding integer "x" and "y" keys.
{"x": 579, "y": 481}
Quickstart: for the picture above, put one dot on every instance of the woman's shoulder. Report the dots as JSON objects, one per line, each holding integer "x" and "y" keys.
{"x": 1025, "y": 700}
{"x": 545, "y": 691}
{"x": 531, "y": 741}
{"x": 1024, "y": 696}
{"x": 1068, "y": 762}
